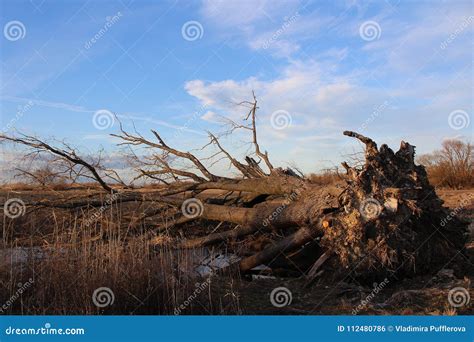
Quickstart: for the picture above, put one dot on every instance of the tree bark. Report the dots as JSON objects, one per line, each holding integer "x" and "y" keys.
{"x": 289, "y": 243}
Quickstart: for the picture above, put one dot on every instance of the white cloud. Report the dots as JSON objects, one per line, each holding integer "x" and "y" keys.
{"x": 210, "y": 116}
{"x": 321, "y": 105}
{"x": 274, "y": 26}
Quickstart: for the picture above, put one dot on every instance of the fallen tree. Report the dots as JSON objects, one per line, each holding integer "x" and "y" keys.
{"x": 385, "y": 220}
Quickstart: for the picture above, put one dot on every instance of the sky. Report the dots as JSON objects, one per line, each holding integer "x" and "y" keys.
{"x": 392, "y": 70}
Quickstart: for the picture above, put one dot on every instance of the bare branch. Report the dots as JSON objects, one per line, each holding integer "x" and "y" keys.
{"x": 130, "y": 139}
{"x": 258, "y": 152}
{"x": 247, "y": 170}
{"x": 68, "y": 154}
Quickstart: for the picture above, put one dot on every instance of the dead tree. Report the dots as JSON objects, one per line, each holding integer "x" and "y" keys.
{"x": 385, "y": 220}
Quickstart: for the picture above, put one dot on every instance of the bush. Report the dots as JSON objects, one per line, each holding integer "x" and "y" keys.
{"x": 325, "y": 177}
{"x": 452, "y": 166}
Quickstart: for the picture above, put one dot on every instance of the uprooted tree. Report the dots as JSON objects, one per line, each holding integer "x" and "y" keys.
{"x": 385, "y": 220}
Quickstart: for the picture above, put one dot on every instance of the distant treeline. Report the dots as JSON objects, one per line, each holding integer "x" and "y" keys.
{"x": 451, "y": 166}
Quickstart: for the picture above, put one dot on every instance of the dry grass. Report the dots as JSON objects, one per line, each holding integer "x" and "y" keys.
{"x": 142, "y": 282}
{"x": 67, "y": 260}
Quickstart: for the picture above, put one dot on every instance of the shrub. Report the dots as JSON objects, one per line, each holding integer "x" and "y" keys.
{"x": 452, "y": 166}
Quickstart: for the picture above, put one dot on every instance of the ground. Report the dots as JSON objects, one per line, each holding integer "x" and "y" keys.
{"x": 68, "y": 262}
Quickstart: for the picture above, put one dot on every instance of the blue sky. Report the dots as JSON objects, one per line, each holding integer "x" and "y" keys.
{"x": 393, "y": 70}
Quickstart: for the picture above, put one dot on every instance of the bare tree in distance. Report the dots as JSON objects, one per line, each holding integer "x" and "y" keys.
{"x": 452, "y": 166}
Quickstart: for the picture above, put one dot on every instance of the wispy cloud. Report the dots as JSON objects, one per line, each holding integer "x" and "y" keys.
{"x": 278, "y": 27}
{"x": 43, "y": 103}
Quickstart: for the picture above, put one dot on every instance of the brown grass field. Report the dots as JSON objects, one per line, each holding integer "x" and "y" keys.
{"x": 64, "y": 258}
